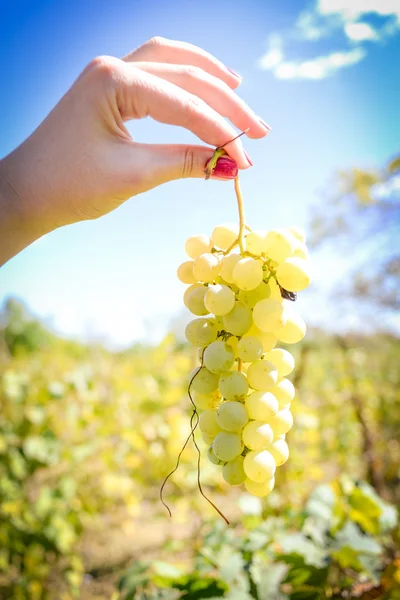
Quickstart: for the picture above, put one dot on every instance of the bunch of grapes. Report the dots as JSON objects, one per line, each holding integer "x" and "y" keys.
{"x": 241, "y": 288}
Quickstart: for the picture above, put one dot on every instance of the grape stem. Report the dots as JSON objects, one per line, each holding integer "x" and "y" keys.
{"x": 242, "y": 222}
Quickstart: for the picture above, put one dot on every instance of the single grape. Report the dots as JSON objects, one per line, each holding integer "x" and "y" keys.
{"x": 248, "y": 273}
{"x": 198, "y": 244}
{"x": 238, "y": 321}
{"x": 259, "y": 466}
{"x": 250, "y": 348}
{"x": 195, "y": 301}
{"x": 262, "y": 375}
{"x": 232, "y": 416}
{"x": 282, "y": 422}
{"x": 190, "y": 289}
{"x": 294, "y": 274}
{"x": 280, "y": 451}
{"x": 255, "y": 242}
{"x": 279, "y": 244}
{"x": 233, "y": 471}
{"x": 206, "y": 401}
{"x": 219, "y": 299}
{"x": 284, "y": 392}
{"x": 227, "y": 446}
{"x": 185, "y": 272}
{"x": 283, "y": 361}
{"x": 225, "y": 235}
{"x": 207, "y": 439}
{"x": 259, "y": 489}
{"x": 201, "y": 332}
{"x": 212, "y": 458}
{"x": 251, "y": 297}
{"x": 218, "y": 357}
{"x": 228, "y": 263}
{"x": 268, "y": 315}
{"x": 257, "y": 435}
{"x": 208, "y": 423}
{"x": 206, "y": 267}
{"x": 262, "y": 406}
{"x": 233, "y": 385}
{"x": 268, "y": 339}
{"x": 293, "y": 330}
{"x": 203, "y": 381}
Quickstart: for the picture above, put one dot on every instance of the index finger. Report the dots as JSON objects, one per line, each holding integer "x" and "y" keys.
{"x": 159, "y": 49}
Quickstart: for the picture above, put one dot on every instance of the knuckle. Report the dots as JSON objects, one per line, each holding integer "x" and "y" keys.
{"x": 193, "y": 71}
{"x": 103, "y": 67}
{"x": 157, "y": 40}
{"x": 189, "y": 163}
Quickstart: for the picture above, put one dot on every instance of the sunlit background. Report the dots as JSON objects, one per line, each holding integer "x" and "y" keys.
{"x": 93, "y": 363}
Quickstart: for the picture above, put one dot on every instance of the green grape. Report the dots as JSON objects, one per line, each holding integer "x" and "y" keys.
{"x": 228, "y": 263}
{"x": 225, "y": 235}
{"x": 198, "y": 244}
{"x": 284, "y": 392}
{"x": 203, "y": 381}
{"x": 293, "y": 330}
{"x": 190, "y": 289}
{"x": 233, "y": 385}
{"x": 248, "y": 273}
{"x": 250, "y": 348}
{"x": 195, "y": 301}
{"x": 259, "y": 466}
{"x": 232, "y": 416}
{"x": 255, "y": 242}
{"x": 268, "y": 315}
{"x": 218, "y": 357}
{"x": 282, "y": 422}
{"x": 275, "y": 290}
{"x": 262, "y": 406}
{"x": 207, "y": 439}
{"x": 233, "y": 471}
{"x": 232, "y": 341}
{"x": 201, "y": 332}
{"x": 294, "y": 274}
{"x": 208, "y": 423}
{"x": 212, "y": 458}
{"x": 283, "y": 361}
{"x": 279, "y": 244}
{"x": 251, "y": 297}
{"x": 219, "y": 299}
{"x": 257, "y": 435}
{"x": 301, "y": 250}
{"x": 262, "y": 375}
{"x": 298, "y": 233}
{"x": 185, "y": 272}
{"x": 227, "y": 446}
{"x": 259, "y": 489}
{"x": 206, "y": 267}
{"x": 238, "y": 321}
{"x": 280, "y": 451}
{"x": 268, "y": 339}
{"x": 206, "y": 401}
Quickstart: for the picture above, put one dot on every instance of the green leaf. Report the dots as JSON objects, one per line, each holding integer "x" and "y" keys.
{"x": 297, "y": 543}
{"x": 271, "y": 578}
{"x": 351, "y": 537}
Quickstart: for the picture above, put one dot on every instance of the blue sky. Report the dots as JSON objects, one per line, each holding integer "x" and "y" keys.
{"x": 329, "y": 88}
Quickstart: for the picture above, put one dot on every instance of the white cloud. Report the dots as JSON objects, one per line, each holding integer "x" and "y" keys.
{"x": 326, "y": 18}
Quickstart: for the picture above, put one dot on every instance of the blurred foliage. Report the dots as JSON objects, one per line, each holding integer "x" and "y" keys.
{"x": 361, "y": 214}
{"x": 87, "y": 437}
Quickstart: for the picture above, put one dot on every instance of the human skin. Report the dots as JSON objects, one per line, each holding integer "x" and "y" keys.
{"x": 82, "y": 162}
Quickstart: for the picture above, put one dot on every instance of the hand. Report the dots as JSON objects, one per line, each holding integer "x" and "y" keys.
{"x": 82, "y": 163}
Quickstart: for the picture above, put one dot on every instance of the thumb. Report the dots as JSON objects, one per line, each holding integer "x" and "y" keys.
{"x": 159, "y": 163}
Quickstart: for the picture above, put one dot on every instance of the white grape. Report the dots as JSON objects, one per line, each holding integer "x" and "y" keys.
{"x": 206, "y": 267}
{"x": 228, "y": 263}
{"x": 259, "y": 489}
{"x": 257, "y": 435}
{"x": 283, "y": 361}
{"x": 268, "y": 339}
{"x": 262, "y": 406}
{"x": 262, "y": 375}
{"x": 251, "y": 297}
{"x": 248, "y": 273}
{"x": 198, "y": 244}
{"x": 279, "y": 244}
{"x": 255, "y": 242}
{"x": 208, "y": 423}
{"x": 233, "y": 471}
{"x": 280, "y": 451}
{"x": 212, "y": 458}
{"x": 219, "y": 299}
{"x": 238, "y": 321}
{"x": 227, "y": 446}
{"x": 218, "y": 357}
{"x": 203, "y": 381}
{"x": 201, "y": 332}
{"x": 284, "y": 392}
{"x": 207, "y": 439}
{"x": 185, "y": 272}
{"x": 282, "y": 422}
{"x": 195, "y": 301}
{"x": 268, "y": 315}
{"x": 259, "y": 466}
{"x": 232, "y": 416}
{"x": 206, "y": 401}
{"x": 301, "y": 250}
{"x": 233, "y": 385}
{"x": 293, "y": 330}
{"x": 249, "y": 348}
{"x": 225, "y": 235}
{"x": 294, "y": 274}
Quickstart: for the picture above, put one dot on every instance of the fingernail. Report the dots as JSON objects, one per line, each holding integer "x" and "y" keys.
{"x": 226, "y": 168}
{"x": 248, "y": 158}
{"x": 234, "y": 73}
{"x": 264, "y": 124}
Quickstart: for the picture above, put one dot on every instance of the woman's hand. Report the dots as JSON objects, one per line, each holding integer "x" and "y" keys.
{"x": 82, "y": 163}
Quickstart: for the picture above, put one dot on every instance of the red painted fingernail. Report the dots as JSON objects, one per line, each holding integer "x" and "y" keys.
{"x": 248, "y": 158}
{"x": 267, "y": 127}
{"x": 226, "y": 168}
{"x": 234, "y": 73}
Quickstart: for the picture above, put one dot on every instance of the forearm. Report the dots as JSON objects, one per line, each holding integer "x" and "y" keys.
{"x": 20, "y": 225}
